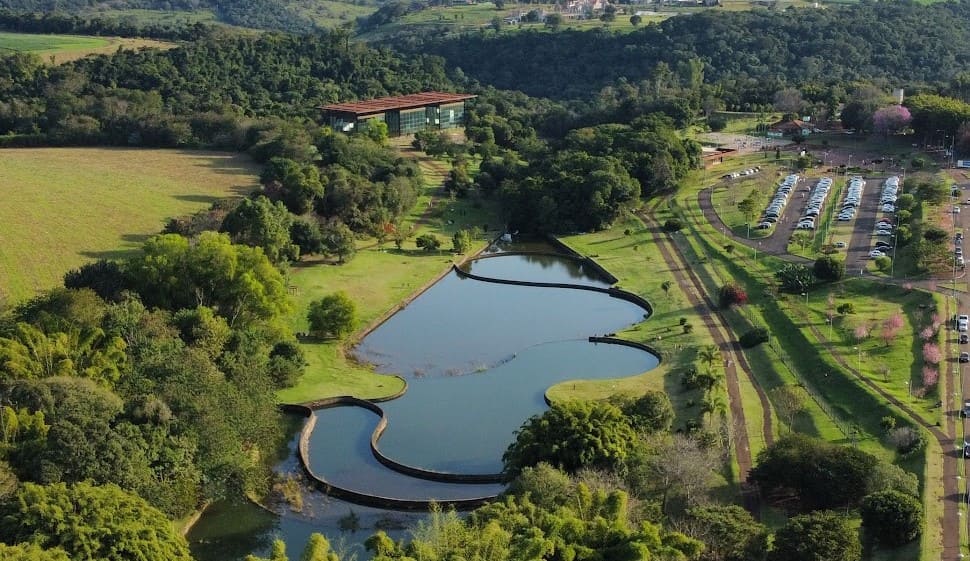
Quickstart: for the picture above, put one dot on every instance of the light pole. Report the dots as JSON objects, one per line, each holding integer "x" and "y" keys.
{"x": 829, "y": 321}
{"x": 805, "y": 294}
{"x": 858, "y": 364}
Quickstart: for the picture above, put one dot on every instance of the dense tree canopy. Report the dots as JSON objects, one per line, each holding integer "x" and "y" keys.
{"x": 91, "y": 523}
{"x": 892, "y": 518}
{"x": 570, "y": 436}
{"x": 574, "y": 521}
{"x": 750, "y": 54}
{"x": 819, "y": 474}
{"x": 239, "y": 282}
{"x": 820, "y": 535}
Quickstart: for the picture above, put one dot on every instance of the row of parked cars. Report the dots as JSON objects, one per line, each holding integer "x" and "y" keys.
{"x": 814, "y": 206}
{"x": 737, "y": 174}
{"x": 887, "y": 199}
{"x": 958, "y": 250}
{"x": 884, "y": 226}
{"x": 777, "y": 204}
{"x": 853, "y": 197}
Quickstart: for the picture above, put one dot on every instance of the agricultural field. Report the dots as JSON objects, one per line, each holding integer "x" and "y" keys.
{"x": 58, "y": 49}
{"x": 64, "y": 207}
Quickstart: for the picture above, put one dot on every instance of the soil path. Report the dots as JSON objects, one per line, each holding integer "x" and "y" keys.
{"x": 730, "y": 352}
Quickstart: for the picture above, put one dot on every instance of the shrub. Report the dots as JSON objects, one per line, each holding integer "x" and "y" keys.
{"x": 690, "y": 378}
{"x": 891, "y": 517}
{"x": 673, "y": 225}
{"x": 829, "y": 268}
{"x": 883, "y": 263}
{"x": 907, "y": 440}
{"x": 717, "y": 122}
{"x": 846, "y": 308}
{"x": 334, "y": 315}
{"x": 754, "y": 337}
{"x": 732, "y": 295}
{"x": 427, "y": 242}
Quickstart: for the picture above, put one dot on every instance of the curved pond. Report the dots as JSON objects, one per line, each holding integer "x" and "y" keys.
{"x": 478, "y": 357}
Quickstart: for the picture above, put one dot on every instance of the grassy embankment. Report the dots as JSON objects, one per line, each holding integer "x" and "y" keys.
{"x": 840, "y": 409}
{"x": 58, "y": 49}
{"x": 63, "y": 207}
{"x": 636, "y": 261}
{"x": 378, "y": 279}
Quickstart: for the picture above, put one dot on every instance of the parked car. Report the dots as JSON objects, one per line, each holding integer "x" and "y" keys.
{"x": 963, "y": 322}
{"x": 840, "y": 245}
{"x": 964, "y": 338}
{"x": 876, "y": 253}
{"x": 964, "y": 357}
{"x": 965, "y": 410}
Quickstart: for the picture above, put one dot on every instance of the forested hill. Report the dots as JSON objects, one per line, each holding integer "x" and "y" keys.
{"x": 201, "y": 94}
{"x": 756, "y": 50}
{"x": 258, "y": 14}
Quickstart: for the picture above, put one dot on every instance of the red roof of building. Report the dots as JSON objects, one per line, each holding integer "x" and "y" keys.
{"x": 382, "y": 104}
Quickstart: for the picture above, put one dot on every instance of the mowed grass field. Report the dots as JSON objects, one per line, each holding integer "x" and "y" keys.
{"x": 58, "y": 49}
{"x": 63, "y": 207}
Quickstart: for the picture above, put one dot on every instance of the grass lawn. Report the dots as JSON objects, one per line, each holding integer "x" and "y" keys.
{"x": 63, "y": 207}
{"x": 58, "y": 49}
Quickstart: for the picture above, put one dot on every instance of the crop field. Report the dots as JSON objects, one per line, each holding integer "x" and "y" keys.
{"x": 63, "y": 207}
{"x": 58, "y": 49}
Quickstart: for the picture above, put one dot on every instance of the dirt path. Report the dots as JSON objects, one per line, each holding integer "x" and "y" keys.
{"x": 697, "y": 298}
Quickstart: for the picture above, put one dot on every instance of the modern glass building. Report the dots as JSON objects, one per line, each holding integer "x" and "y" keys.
{"x": 404, "y": 114}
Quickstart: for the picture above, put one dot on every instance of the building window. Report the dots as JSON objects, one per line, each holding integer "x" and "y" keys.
{"x": 413, "y": 121}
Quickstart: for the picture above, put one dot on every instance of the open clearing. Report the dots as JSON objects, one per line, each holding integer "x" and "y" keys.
{"x": 59, "y": 49}
{"x": 63, "y": 207}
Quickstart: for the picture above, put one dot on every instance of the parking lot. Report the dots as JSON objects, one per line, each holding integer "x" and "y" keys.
{"x": 863, "y": 238}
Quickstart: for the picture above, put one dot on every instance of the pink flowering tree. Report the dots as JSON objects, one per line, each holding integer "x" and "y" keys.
{"x": 930, "y": 376}
{"x": 890, "y": 120}
{"x": 861, "y": 332}
{"x": 932, "y": 353}
{"x": 891, "y": 328}
{"x": 936, "y": 321}
{"x": 927, "y": 333}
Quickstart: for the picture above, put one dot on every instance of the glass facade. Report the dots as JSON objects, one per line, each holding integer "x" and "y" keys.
{"x": 403, "y": 121}
{"x": 413, "y": 121}
{"x": 452, "y": 115}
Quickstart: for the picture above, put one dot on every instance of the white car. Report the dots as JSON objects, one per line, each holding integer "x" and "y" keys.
{"x": 963, "y": 322}
{"x": 876, "y": 253}
{"x": 956, "y": 210}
